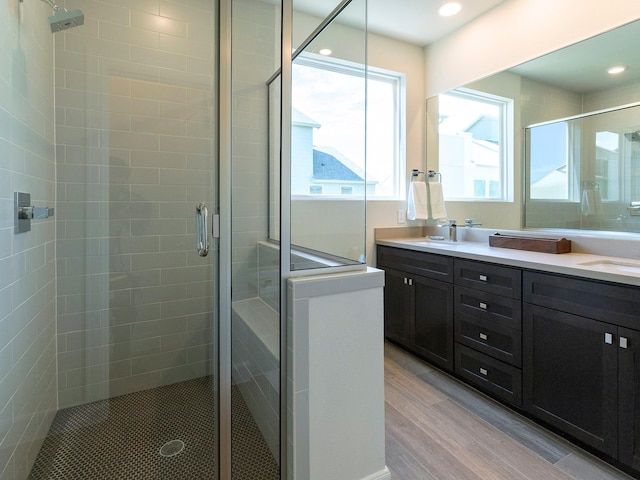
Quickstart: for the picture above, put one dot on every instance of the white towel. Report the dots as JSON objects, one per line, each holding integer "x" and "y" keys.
{"x": 417, "y": 201}
{"x": 436, "y": 199}
{"x": 591, "y": 202}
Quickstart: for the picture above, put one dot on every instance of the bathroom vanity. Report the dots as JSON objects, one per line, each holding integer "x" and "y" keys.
{"x": 554, "y": 336}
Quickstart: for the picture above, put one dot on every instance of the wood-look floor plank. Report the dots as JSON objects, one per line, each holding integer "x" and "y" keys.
{"x": 402, "y": 464}
{"x": 438, "y": 461}
{"x": 545, "y": 444}
{"x": 437, "y": 426}
{"x": 402, "y": 358}
{"x": 410, "y": 385}
{"x": 440, "y": 429}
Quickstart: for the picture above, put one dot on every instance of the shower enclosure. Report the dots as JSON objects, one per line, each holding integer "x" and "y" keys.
{"x": 130, "y": 348}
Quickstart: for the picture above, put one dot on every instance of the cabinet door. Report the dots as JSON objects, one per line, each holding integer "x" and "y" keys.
{"x": 570, "y": 375}
{"x": 433, "y": 329}
{"x": 398, "y": 308}
{"x": 629, "y": 397}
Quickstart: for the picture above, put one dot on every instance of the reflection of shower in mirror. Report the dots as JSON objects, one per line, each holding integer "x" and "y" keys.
{"x": 633, "y": 136}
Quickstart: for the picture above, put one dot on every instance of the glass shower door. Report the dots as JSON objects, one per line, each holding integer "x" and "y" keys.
{"x": 136, "y": 113}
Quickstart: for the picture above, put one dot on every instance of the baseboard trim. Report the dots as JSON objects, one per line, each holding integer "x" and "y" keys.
{"x": 383, "y": 474}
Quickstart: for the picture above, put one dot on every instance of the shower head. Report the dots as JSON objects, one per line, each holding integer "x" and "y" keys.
{"x": 63, "y": 19}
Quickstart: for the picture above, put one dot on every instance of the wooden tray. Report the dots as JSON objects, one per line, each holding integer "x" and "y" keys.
{"x": 532, "y": 244}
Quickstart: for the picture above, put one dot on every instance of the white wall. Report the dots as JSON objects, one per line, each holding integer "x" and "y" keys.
{"x": 27, "y": 260}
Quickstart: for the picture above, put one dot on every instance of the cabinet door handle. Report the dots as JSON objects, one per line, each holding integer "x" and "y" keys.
{"x": 410, "y": 281}
{"x": 624, "y": 342}
{"x": 484, "y": 371}
{"x": 484, "y": 336}
{"x": 483, "y": 306}
{"x": 608, "y": 338}
{"x": 483, "y": 278}
{"x": 406, "y": 281}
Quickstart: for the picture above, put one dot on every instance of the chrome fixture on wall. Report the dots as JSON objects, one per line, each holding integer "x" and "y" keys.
{"x": 24, "y": 212}
{"x": 63, "y": 18}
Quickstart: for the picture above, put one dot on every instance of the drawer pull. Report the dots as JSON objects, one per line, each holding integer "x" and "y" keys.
{"x": 484, "y": 371}
{"x": 483, "y": 306}
{"x": 484, "y": 336}
{"x": 483, "y": 278}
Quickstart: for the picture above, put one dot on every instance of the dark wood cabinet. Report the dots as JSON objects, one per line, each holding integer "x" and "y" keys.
{"x": 582, "y": 363}
{"x": 564, "y": 349}
{"x": 488, "y": 328}
{"x": 571, "y": 375}
{"x": 433, "y": 327}
{"x": 629, "y": 397}
{"x": 418, "y": 305}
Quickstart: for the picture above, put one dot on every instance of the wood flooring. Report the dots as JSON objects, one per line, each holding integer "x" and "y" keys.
{"x": 438, "y": 428}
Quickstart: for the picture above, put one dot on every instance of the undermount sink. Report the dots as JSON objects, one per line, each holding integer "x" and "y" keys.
{"x": 613, "y": 266}
{"x": 442, "y": 243}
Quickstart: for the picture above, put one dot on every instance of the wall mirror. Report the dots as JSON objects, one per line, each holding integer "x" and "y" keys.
{"x": 581, "y": 170}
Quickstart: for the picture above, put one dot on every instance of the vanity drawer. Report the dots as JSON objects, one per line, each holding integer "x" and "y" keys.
{"x": 498, "y": 341}
{"x": 488, "y": 307}
{"x": 505, "y": 281}
{"x": 612, "y": 303}
{"x": 427, "y": 265}
{"x": 502, "y": 380}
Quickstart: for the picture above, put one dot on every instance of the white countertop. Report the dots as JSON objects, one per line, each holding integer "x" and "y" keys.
{"x": 598, "y": 267}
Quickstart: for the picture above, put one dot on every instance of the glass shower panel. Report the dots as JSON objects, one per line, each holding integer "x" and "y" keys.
{"x": 255, "y": 322}
{"x": 328, "y": 145}
{"x": 135, "y": 120}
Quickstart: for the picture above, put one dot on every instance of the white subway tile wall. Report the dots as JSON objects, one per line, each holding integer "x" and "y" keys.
{"x": 27, "y": 260}
{"x": 255, "y": 59}
{"x": 136, "y": 113}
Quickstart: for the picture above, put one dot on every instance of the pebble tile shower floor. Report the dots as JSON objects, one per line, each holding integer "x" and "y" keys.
{"x": 120, "y": 438}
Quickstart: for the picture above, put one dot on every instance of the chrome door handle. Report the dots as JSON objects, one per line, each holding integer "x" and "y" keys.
{"x": 202, "y": 237}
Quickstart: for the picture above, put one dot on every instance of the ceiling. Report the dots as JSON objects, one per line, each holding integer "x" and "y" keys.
{"x": 413, "y": 21}
{"x": 582, "y": 67}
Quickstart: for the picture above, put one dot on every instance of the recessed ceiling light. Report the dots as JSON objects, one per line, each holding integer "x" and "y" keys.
{"x": 325, "y": 51}
{"x": 449, "y": 8}
{"x": 617, "y": 69}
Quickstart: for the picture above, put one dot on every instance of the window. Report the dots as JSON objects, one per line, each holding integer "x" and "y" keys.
{"x": 328, "y": 125}
{"x": 476, "y": 146}
{"x": 315, "y": 189}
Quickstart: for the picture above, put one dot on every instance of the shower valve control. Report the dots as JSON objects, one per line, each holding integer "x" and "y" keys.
{"x": 24, "y": 212}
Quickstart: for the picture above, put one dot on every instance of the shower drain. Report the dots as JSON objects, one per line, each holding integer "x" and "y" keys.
{"x": 172, "y": 448}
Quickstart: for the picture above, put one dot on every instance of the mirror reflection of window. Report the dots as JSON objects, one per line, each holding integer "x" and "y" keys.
{"x": 473, "y": 145}
{"x": 607, "y": 166}
{"x": 549, "y": 162}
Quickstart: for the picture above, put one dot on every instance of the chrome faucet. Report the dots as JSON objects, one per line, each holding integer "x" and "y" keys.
{"x": 453, "y": 229}
{"x": 470, "y": 223}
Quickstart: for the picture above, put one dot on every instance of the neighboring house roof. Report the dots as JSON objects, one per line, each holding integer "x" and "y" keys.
{"x": 328, "y": 167}
{"x": 484, "y": 128}
{"x": 299, "y": 118}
